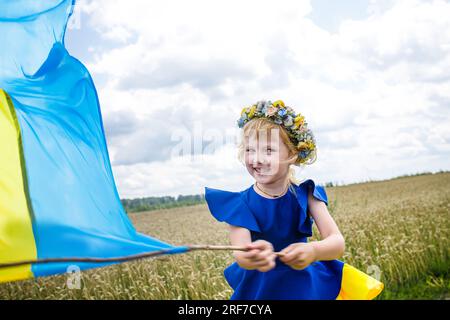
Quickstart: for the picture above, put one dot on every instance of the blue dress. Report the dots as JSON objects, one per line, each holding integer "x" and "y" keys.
{"x": 282, "y": 221}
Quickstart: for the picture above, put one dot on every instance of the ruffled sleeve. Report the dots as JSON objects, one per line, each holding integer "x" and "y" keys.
{"x": 318, "y": 192}
{"x": 230, "y": 207}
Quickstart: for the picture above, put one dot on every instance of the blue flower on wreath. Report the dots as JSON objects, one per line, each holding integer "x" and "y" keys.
{"x": 282, "y": 112}
{"x": 241, "y": 122}
{"x": 303, "y": 153}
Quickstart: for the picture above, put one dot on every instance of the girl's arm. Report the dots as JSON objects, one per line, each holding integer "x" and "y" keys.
{"x": 332, "y": 245}
{"x": 300, "y": 255}
{"x": 261, "y": 257}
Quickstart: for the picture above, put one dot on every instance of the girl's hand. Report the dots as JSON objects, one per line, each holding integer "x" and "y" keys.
{"x": 298, "y": 255}
{"x": 261, "y": 256}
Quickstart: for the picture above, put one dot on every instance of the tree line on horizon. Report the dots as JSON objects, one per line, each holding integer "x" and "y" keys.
{"x": 167, "y": 202}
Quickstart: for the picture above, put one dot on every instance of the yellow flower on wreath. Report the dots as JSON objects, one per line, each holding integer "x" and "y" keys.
{"x": 299, "y": 121}
{"x": 278, "y": 104}
{"x": 305, "y": 145}
{"x": 252, "y": 111}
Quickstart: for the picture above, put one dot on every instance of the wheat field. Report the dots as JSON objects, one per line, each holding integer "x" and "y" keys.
{"x": 397, "y": 230}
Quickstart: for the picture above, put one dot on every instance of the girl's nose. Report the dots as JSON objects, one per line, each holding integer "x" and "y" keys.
{"x": 258, "y": 159}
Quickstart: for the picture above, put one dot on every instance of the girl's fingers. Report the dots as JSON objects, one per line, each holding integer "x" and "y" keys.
{"x": 261, "y": 263}
{"x": 286, "y": 256}
{"x": 257, "y": 256}
{"x": 289, "y": 257}
{"x": 250, "y": 254}
{"x": 260, "y": 244}
{"x": 300, "y": 266}
{"x": 263, "y": 258}
{"x": 287, "y": 249}
{"x": 263, "y": 255}
{"x": 267, "y": 267}
{"x": 264, "y": 263}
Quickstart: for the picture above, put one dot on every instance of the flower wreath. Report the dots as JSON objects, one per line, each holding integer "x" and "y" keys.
{"x": 295, "y": 125}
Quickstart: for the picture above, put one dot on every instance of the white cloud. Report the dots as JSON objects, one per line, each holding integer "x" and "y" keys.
{"x": 375, "y": 92}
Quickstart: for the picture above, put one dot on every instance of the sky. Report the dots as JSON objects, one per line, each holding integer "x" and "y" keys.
{"x": 371, "y": 78}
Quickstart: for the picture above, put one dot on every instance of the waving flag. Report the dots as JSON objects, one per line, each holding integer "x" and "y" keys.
{"x": 57, "y": 192}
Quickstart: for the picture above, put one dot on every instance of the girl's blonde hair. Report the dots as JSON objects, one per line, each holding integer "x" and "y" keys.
{"x": 265, "y": 125}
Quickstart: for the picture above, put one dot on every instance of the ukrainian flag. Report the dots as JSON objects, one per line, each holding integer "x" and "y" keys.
{"x": 357, "y": 285}
{"x": 57, "y": 192}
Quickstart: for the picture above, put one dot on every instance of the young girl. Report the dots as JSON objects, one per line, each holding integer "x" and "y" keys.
{"x": 273, "y": 218}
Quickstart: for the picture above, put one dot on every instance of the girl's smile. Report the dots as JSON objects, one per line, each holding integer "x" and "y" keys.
{"x": 261, "y": 170}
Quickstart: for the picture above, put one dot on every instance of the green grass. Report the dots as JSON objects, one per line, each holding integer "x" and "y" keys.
{"x": 430, "y": 287}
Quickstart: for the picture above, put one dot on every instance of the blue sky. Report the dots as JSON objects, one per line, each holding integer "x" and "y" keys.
{"x": 369, "y": 76}
{"x": 329, "y": 14}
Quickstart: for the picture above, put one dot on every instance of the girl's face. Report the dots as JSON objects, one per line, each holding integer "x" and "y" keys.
{"x": 266, "y": 156}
